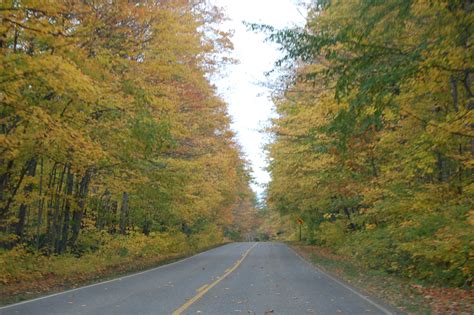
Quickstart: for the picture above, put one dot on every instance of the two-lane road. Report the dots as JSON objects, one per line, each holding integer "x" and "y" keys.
{"x": 238, "y": 278}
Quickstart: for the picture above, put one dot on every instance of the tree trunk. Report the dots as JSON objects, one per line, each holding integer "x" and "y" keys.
{"x": 4, "y": 180}
{"x": 348, "y": 214}
{"x": 146, "y": 227}
{"x": 4, "y": 210}
{"x": 113, "y": 216}
{"x": 124, "y": 213}
{"x": 40, "y": 206}
{"x": 102, "y": 209}
{"x": 67, "y": 210}
{"x": 81, "y": 196}
{"x": 20, "y": 226}
{"x": 57, "y": 213}
{"x": 49, "y": 211}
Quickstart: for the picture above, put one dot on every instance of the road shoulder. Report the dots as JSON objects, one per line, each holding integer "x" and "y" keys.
{"x": 306, "y": 256}
{"x": 406, "y": 296}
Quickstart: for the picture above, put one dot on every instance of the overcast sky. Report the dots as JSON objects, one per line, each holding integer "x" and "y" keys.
{"x": 249, "y": 102}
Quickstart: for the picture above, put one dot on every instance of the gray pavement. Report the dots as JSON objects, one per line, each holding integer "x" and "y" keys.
{"x": 238, "y": 278}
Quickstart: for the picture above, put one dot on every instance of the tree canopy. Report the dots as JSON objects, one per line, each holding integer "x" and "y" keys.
{"x": 109, "y": 122}
{"x": 374, "y": 142}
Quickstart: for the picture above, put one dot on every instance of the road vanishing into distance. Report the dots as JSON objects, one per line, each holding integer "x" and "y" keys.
{"x": 238, "y": 278}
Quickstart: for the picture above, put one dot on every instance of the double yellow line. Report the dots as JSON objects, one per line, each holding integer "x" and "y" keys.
{"x": 205, "y": 288}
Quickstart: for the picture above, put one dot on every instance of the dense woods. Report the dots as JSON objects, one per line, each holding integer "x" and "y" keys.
{"x": 373, "y": 145}
{"x": 111, "y": 131}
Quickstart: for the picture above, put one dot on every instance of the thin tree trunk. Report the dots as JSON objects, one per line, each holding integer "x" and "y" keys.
{"x": 113, "y": 210}
{"x": 348, "y": 214}
{"x": 441, "y": 167}
{"x": 56, "y": 230}
{"x": 124, "y": 213}
{"x": 67, "y": 210}
{"x": 15, "y": 40}
{"x": 22, "y": 212}
{"x": 49, "y": 215}
{"x": 40, "y": 206}
{"x": 81, "y": 201}
{"x": 4, "y": 210}
{"x": 4, "y": 180}
{"x": 102, "y": 209}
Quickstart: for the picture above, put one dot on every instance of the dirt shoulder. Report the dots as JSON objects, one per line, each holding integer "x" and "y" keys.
{"x": 408, "y": 296}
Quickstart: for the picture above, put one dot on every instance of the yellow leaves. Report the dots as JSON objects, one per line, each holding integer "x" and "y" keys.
{"x": 469, "y": 189}
{"x": 121, "y": 90}
{"x": 21, "y": 266}
{"x": 370, "y": 110}
{"x": 404, "y": 178}
{"x": 64, "y": 77}
{"x": 328, "y": 216}
{"x": 370, "y": 226}
{"x": 389, "y": 115}
{"x": 470, "y": 217}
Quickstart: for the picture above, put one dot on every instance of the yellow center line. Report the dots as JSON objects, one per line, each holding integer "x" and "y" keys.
{"x": 205, "y": 288}
{"x": 202, "y": 288}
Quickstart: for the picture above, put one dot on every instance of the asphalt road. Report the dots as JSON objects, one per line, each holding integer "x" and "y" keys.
{"x": 238, "y": 278}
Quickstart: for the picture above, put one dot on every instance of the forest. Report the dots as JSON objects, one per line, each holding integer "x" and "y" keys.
{"x": 115, "y": 146}
{"x": 373, "y": 145}
{"x": 117, "y": 153}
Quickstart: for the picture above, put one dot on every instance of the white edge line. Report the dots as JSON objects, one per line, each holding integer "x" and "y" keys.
{"x": 107, "y": 281}
{"x": 380, "y": 307}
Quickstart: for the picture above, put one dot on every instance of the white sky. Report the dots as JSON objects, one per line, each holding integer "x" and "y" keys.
{"x": 249, "y": 102}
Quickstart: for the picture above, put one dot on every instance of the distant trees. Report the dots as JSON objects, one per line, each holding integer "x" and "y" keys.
{"x": 374, "y": 141}
{"x": 109, "y": 123}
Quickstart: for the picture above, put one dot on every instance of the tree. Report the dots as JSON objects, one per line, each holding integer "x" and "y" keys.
{"x": 373, "y": 144}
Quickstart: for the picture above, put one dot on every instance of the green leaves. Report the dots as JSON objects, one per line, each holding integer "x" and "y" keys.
{"x": 155, "y": 136}
{"x": 372, "y": 141}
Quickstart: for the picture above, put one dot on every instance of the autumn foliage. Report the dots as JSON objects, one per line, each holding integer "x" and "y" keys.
{"x": 374, "y": 142}
{"x": 110, "y": 126}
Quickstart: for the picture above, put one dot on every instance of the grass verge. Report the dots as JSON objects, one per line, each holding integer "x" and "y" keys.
{"x": 407, "y": 295}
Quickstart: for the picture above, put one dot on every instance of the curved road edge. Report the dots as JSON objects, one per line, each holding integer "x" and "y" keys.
{"x": 378, "y": 303}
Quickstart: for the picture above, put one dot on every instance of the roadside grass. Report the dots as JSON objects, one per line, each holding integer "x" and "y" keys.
{"x": 409, "y": 296}
{"x": 25, "y": 275}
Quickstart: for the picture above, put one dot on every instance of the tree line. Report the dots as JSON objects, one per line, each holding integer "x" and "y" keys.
{"x": 109, "y": 122}
{"x": 374, "y": 141}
